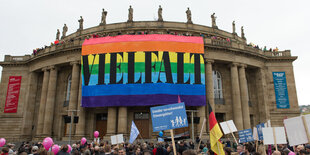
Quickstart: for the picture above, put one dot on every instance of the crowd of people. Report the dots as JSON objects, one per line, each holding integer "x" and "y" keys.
{"x": 183, "y": 147}
{"x": 97, "y": 35}
{"x": 264, "y": 49}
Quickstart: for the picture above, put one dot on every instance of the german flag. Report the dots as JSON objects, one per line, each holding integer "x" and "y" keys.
{"x": 215, "y": 134}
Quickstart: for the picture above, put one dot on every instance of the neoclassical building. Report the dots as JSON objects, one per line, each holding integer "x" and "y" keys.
{"x": 239, "y": 85}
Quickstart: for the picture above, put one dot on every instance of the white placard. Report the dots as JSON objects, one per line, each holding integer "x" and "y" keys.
{"x": 228, "y": 127}
{"x": 117, "y": 139}
{"x": 307, "y": 118}
{"x": 232, "y": 126}
{"x": 279, "y": 134}
{"x": 267, "y": 124}
{"x": 255, "y": 135}
{"x": 295, "y": 131}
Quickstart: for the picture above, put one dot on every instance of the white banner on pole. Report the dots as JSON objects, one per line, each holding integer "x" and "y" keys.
{"x": 307, "y": 118}
{"x": 295, "y": 131}
{"x": 228, "y": 127}
{"x": 279, "y": 134}
{"x": 117, "y": 139}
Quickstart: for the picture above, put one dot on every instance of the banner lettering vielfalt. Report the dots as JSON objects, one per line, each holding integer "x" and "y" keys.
{"x": 143, "y": 70}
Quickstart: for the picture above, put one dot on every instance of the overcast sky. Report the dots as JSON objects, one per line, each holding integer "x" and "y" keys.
{"x": 29, "y": 24}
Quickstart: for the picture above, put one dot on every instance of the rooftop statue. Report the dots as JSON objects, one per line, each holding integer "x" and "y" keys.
{"x": 130, "y": 14}
{"x": 160, "y": 15}
{"x": 57, "y": 34}
{"x": 189, "y": 16}
{"x": 103, "y": 17}
{"x": 213, "y": 17}
{"x": 234, "y": 27}
{"x": 64, "y": 31}
{"x": 81, "y": 21}
{"x": 242, "y": 33}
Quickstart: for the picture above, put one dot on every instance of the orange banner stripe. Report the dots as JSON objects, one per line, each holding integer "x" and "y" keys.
{"x": 142, "y": 46}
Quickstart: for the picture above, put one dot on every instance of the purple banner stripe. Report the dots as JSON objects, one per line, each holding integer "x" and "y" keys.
{"x": 142, "y": 100}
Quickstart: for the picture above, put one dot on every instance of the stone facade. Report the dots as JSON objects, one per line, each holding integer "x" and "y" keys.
{"x": 248, "y": 95}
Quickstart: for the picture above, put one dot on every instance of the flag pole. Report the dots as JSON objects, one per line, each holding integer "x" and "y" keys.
{"x": 141, "y": 138}
{"x": 173, "y": 144}
{"x": 274, "y": 138}
{"x": 232, "y": 133}
{"x": 200, "y": 136}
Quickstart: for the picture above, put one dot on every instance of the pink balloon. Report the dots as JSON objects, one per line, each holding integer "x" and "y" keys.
{"x": 2, "y": 142}
{"x": 69, "y": 148}
{"x": 83, "y": 140}
{"x": 47, "y": 143}
{"x": 55, "y": 149}
{"x": 96, "y": 134}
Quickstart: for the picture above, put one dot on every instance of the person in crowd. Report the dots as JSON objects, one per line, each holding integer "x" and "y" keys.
{"x": 189, "y": 152}
{"x": 63, "y": 150}
{"x": 42, "y": 151}
{"x": 122, "y": 151}
{"x": 299, "y": 149}
{"x": 308, "y": 148}
{"x": 227, "y": 151}
{"x": 138, "y": 151}
{"x": 240, "y": 150}
{"x": 276, "y": 153}
{"x": 5, "y": 151}
{"x": 34, "y": 150}
{"x": 169, "y": 150}
{"x": 249, "y": 149}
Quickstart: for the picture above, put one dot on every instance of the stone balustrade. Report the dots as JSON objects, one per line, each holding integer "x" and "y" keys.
{"x": 222, "y": 43}
{"x": 16, "y": 58}
{"x": 286, "y": 53}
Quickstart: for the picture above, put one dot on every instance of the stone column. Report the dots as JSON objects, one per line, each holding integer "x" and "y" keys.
{"x": 235, "y": 92}
{"x": 30, "y": 104}
{"x": 50, "y": 102}
{"x": 41, "y": 114}
{"x": 111, "y": 128}
{"x": 122, "y": 120}
{"x": 74, "y": 92}
{"x": 262, "y": 95}
{"x": 209, "y": 83}
{"x": 80, "y": 127}
{"x": 209, "y": 89}
{"x": 244, "y": 97}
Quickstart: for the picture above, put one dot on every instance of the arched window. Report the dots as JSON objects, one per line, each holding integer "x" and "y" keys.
{"x": 217, "y": 84}
{"x": 68, "y": 88}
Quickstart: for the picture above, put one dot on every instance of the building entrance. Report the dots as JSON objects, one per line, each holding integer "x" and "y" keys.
{"x": 141, "y": 120}
{"x": 101, "y": 124}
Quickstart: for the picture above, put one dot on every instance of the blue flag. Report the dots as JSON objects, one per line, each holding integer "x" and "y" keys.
{"x": 133, "y": 133}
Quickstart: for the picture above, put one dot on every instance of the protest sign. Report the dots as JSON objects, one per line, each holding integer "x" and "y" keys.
{"x": 228, "y": 127}
{"x": 245, "y": 136}
{"x": 260, "y": 131}
{"x": 274, "y": 135}
{"x": 255, "y": 135}
{"x": 295, "y": 131}
{"x": 117, "y": 139}
{"x": 160, "y": 140}
{"x": 170, "y": 116}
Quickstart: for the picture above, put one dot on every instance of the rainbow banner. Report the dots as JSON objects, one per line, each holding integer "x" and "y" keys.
{"x": 143, "y": 70}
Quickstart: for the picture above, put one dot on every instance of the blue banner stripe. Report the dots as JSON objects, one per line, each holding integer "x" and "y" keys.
{"x": 93, "y": 80}
{"x": 144, "y": 89}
